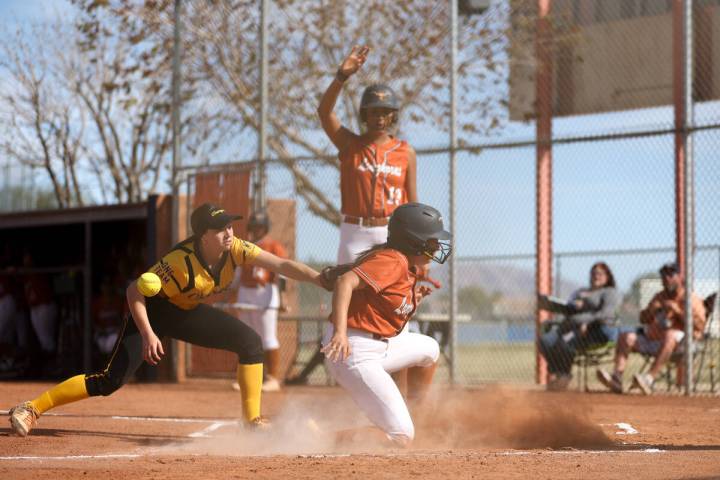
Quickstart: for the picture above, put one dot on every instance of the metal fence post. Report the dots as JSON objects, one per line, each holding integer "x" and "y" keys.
{"x": 452, "y": 200}
{"x": 688, "y": 206}
{"x": 259, "y": 200}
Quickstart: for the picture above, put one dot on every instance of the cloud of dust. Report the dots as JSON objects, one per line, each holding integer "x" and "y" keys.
{"x": 505, "y": 417}
{"x": 306, "y": 425}
{"x": 494, "y": 417}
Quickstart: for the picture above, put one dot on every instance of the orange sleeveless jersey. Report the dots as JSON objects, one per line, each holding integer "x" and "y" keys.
{"x": 372, "y": 178}
{"x": 253, "y": 276}
{"x": 388, "y": 302}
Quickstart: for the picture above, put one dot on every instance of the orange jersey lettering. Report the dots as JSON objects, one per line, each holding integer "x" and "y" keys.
{"x": 372, "y": 178}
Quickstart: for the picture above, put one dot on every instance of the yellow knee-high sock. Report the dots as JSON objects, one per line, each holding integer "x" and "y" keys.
{"x": 250, "y": 378}
{"x": 71, "y": 390}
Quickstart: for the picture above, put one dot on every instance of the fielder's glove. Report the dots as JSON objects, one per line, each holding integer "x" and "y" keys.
{"x": 329, "y": 275}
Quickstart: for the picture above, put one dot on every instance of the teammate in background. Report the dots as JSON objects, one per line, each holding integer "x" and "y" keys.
{"x": 662, "y": 332}
{"x": 371, "y": 305}
{"x": 43, "y": 310}
{"x": 108, "y": 311}
{"x": 263, "y": 289}
{"x": 167, "y": 301}
{"x": 377, "y": 170}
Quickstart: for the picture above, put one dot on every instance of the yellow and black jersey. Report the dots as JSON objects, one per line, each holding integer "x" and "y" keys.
{"x": 187, "y": 279}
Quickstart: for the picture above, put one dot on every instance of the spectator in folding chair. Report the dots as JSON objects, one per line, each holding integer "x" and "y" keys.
{"x": 589, "y": 321}
{"x": 661, "y": 333}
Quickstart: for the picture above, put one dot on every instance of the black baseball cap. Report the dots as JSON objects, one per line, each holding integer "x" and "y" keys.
{"x": 210, "y": 217}
{"x": 669, "y": 269}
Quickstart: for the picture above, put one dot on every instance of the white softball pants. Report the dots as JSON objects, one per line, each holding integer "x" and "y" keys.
{"x": 365, "y": 374}
{"x": 264, "y": 319}
{"x": 355, "y": 239}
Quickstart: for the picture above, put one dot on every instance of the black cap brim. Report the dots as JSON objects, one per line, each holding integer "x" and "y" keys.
{"x": 219, "y": 222}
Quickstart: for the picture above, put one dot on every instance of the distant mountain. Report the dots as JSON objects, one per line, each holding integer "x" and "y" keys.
{"x": 508, "y": 280}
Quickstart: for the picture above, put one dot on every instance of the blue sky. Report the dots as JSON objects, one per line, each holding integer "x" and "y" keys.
{"x": 30, "y": 10}
{"x": 608, "y": 195}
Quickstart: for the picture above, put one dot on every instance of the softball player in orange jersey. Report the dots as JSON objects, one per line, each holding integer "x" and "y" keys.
{"x": 371, "y": 305}
{"x": 377, "y": 170}
{"x": 191, "y": 273}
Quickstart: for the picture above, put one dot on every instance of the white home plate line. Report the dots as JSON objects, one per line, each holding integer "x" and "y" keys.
{"x": 204, "y": 433}
{"x": 211, "y": 428}
{"x": 171, "y": 419}
{"x": 135, "y": 418}
{"x": 75, "y": 457}
{"x": 581, "y": 452}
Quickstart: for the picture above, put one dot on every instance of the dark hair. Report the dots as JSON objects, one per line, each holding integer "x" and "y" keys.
{"x": 362, "y": 256}
{"x": 610, "y": 277}
{"x": 669, "y": 269}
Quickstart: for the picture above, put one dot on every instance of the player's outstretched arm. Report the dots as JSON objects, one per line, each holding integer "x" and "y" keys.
{"x": 338, "y": 134}
{"x": 338, "y": 348}
{"x": 152, "y": 346}
{"x": 288, "y": 268}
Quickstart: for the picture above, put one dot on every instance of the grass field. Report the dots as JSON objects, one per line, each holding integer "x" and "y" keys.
{"x": 515, "y": 363}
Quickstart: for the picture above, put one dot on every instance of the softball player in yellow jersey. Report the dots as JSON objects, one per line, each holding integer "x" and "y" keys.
{"x": 195, "y": 269}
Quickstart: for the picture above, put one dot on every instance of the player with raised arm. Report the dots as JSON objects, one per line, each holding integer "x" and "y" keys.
{"x": 168, "y": 301}
{"x": 377, "y": 170}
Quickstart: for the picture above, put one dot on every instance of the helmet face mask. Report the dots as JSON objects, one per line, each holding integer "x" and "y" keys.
{"x": 438, "y": 251}
{"x": 370, "y": 115}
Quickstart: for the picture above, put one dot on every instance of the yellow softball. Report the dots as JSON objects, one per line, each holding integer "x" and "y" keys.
{"x": 148, "y": 284}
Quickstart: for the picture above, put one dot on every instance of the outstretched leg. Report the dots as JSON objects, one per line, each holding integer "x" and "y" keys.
{"x": 124, "y": 361}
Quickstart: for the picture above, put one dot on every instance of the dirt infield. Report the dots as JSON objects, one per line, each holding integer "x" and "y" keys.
{"x": 190, "y": 431}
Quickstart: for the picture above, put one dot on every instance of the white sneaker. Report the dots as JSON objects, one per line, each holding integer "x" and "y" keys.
{"x": 271, "y": 384}
{"x": 235, "y": 386}
{"x": 644, "y": 382}
{"x": 23, "y": 418}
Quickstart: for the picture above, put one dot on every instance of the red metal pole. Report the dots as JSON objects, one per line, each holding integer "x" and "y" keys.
{"x": 543, "y": 98}
{"x": 679, "y": 107}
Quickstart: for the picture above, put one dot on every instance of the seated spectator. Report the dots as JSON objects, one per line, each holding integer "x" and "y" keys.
{"x": 662, "y": 331}
{"x": 590, "y": 321}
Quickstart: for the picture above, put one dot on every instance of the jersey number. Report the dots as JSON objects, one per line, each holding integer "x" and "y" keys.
{"x": 395, "y": 195}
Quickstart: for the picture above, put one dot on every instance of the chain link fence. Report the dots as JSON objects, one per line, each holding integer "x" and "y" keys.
{"x": 613, "y": 145}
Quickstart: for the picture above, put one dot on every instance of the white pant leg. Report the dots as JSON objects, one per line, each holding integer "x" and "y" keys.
{"x": 7, "y": 319}
{"x": 410, "y": 350}
{"x": 263, "y": 320}
{"x": 44, "y": 321}
{"x": 371, "y": 387}
{"x": 355, "y": 239}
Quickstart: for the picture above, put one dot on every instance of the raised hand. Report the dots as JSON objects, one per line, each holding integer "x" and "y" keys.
{"x": 354, "y": 60}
